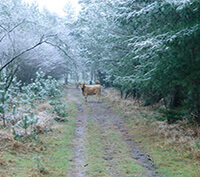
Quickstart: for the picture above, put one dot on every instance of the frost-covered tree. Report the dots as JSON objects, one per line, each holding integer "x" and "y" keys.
{"x": 95, "y": 28}
{"x": 33, "y": 40}
{"x": 145, "y": 48}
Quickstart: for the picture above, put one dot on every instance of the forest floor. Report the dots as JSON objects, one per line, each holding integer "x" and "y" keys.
{"x": 118, "y": 137}
{"x": 115, "y": 137}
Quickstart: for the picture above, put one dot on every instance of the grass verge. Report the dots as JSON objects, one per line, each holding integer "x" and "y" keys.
{"x": 107, "y": 153}
{"x": 169, "y": 160}
{"x": 50, "y": 155}
{"x": 174, "y": 148}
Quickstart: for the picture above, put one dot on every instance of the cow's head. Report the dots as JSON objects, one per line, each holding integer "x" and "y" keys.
{"x": 82, "y": 85}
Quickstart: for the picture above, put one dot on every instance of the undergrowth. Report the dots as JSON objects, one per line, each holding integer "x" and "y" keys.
{"x": 174, "y": 147}
{"x": 48, "y": 155}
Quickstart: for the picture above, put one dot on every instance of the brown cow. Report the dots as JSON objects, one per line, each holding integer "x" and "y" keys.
{"x": 97, "y": 82}
{"x": 77, "y": 84}
{"x": 90, "y": 90}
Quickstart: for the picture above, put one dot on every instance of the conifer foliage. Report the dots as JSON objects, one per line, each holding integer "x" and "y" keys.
{"x": 148, "y": 49}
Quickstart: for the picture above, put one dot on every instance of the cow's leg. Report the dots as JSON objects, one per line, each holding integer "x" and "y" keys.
{"x": 85, "y": 98}
{"x": 98, "y": 98}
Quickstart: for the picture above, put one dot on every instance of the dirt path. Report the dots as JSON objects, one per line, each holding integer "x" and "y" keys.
{"x": 107, "y": 122}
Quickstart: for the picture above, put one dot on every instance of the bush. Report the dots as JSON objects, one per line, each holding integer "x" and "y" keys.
{"x": 17, "y": 109}
{"x": 171, "y": 116}
{"x": 41, "y": 89}
{"x": 59, "y": 107}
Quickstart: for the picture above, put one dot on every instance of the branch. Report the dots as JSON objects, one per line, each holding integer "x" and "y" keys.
{"x": 27, "y": 50}
{"x": 11, "y": 29}
{"x": 194, "y": 115}
{"x": 60, "y": 40}
{"x": 59, "y": 49}
{"x": 75, "y": 64}
{"x": 3, "y": 28}
{"x": 11, "y": 79}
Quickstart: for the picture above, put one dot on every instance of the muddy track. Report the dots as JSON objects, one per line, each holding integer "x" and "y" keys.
{"x": 105, "y": 118}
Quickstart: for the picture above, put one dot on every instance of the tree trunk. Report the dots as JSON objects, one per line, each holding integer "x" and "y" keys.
{"x": 127, "y": 94}
{"x": 4, "y": 121}
{"x": 77, "y": 77}
{"x": 92, "y": 73}
{"x": 198, "y": 115}
{"x": 67, "y": 78}
{"x": 121, "y": 93}
{"x": 176, "y": 98}
{"x": 83, "y": 75}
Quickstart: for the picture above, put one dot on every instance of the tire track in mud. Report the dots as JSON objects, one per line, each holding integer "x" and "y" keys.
{"x": 105, "y": 118}
{"x": 79, "y": 160}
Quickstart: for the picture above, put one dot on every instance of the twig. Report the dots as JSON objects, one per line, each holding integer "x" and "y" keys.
{"x": 11, "y": 29}
{"x": 59, "y": 49}
{"x": 27, "y": 50}
{"x": 194, "y": 115}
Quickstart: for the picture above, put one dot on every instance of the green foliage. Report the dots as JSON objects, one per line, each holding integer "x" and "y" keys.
{"x": 41, "y": 89}
{"x": 9, "y": 89}
{"x": 148, "y": 48}
{"x": 59, "y": 107}
{"x": 40, "y": 165}
{"x": 27, "y": 121}
{"x": 53, "y": 88}
{"x": 197, "y": 144}
{"x": 171, "y": 116}
{"x": 60, "y": 110}
{"x": 17, "y": 108}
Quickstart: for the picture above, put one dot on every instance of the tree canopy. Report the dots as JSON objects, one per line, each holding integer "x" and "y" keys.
{"x": 149, "y": 49}
{"x": 145, "y": 48}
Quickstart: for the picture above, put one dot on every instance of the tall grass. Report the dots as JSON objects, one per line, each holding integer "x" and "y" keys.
{"x": 174, "y": 147}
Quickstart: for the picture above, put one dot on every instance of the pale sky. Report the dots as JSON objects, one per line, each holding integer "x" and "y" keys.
{"x": 55, "y": 5}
